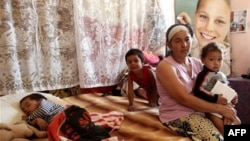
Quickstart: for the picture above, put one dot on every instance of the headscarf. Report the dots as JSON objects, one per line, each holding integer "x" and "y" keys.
{"x": 177, "y": 28}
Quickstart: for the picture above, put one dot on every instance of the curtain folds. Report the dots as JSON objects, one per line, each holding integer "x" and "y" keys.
{"x": 56, "y": 44}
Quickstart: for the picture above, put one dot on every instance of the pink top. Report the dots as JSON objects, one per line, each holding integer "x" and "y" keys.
{"x": 169, "y": 108}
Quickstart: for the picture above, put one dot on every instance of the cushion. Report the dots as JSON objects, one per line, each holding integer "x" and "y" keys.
{"x": 150, "y": 58}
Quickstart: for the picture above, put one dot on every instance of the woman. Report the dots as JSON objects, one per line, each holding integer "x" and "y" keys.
{"x": 180, "y": 110}
{"x": 211, "y": 24}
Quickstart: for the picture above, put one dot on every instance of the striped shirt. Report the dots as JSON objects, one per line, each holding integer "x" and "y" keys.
{"x": 46, "y": 111}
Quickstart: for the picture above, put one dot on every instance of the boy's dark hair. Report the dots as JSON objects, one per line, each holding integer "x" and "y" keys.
{"x": 33, "y": 96}
{"x": 135, "y": 51}
{"x": 210, "y": 47}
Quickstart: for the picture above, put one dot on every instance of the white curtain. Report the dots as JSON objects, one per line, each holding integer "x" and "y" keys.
{"x": 56, "y": 44}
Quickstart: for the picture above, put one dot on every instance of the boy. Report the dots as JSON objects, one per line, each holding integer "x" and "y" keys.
{"x": 211, "y": 57}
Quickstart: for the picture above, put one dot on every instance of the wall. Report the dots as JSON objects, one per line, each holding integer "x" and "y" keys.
{"x": 240, "y": 42}
{"x": 188, "y": 6}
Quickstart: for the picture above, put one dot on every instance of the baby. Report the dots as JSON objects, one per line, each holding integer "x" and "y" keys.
{"x": 38, "y": 110}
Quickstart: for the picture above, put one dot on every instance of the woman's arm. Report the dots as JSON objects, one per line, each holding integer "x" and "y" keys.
{"x": 153, "y": 81}
{"x": 167, "y": 76}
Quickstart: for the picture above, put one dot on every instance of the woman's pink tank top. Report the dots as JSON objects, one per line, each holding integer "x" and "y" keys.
{"x": 169, "y": 108}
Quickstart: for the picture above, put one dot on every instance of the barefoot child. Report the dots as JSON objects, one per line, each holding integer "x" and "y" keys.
{"x": 143, "y": 76}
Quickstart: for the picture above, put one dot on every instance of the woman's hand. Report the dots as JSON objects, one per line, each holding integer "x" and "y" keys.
{"x": 228, "y": 112}
{"x": 227, "y": 121}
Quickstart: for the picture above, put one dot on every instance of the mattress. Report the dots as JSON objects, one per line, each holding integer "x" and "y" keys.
{"x": 140, "y": 125}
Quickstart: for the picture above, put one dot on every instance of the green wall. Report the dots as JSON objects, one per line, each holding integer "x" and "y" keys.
{"x": 187, "y": 6}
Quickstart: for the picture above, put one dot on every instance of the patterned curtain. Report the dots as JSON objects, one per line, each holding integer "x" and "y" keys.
{"x": 106, "y": 29}
{"x": 57, "y": 44}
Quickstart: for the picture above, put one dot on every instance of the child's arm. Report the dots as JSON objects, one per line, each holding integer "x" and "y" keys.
{"x": 202, "y": 83}
{"x": 130, "y": 94}
{"x": 38, "y": 118}
{"x": 41, "y": 123}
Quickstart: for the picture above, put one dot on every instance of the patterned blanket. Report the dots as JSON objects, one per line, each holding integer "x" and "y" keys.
{"x": 141, "y": 125}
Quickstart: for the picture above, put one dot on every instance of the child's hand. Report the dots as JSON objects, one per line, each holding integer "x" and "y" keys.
{"x": 131, "y": 108}
{"x": 184, "y": 18}
{"x": 221, "y": 100}
{"x": 24, "y": 117}
{"x": 42, "y": 124}
{"x": 235, "y": 100}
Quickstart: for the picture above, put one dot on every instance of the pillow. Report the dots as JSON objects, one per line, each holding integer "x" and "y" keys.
{"x": 160, "y": 51}
{"x": 150, "y": 58}
{"x": 10, "y": 111}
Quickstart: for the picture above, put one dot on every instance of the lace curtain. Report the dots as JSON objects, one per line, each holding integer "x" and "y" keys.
{"x": 56, "y": 44}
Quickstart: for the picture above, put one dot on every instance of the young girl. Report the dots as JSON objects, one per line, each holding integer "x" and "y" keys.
{"x": 211, "y": 24}
{"x": 143, "y": 76}
{"x": 211, "y": 57}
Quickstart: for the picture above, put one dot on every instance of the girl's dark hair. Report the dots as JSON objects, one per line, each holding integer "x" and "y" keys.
{"x": 210, "y": 47}
{"x": 135, "y": 51}
{"x": 33, "y": 96}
